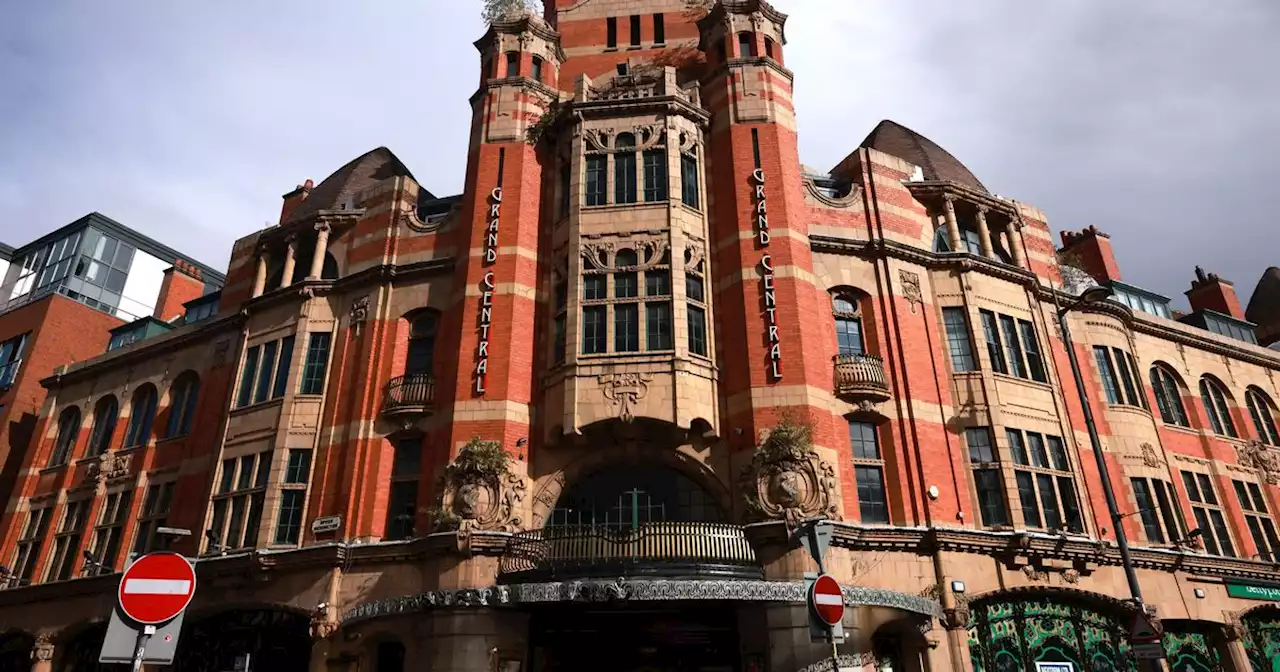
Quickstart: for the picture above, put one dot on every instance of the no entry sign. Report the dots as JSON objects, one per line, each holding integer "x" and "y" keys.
{"x": 156, "y": 588}
{"x": 826, "y": 600}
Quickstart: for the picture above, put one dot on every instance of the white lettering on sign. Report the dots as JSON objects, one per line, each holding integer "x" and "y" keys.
{"x": 486, "y": 319}
{"x": 157, "y": 587}
{"x": 767, "y": 279}
{"x": 491, "y": 232}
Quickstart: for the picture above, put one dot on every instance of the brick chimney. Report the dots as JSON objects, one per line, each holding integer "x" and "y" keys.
{"x": 294, "y": 198}
{"x": 182, "y": 283}
{"x": 1090, "y": 250}
{"x": 1209, "y": 292}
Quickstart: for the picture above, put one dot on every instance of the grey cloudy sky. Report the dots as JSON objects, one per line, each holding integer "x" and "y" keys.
{"x": 1157, "y": 120}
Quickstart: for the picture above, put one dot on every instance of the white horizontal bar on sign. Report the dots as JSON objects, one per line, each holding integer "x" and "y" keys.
{"x": 824, "y": 598}
{"x": 157, "y": 587}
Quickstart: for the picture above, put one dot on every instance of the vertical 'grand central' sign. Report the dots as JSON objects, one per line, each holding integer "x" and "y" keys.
{"x": 487, "y": 286}
{"x": 767, "y": 279}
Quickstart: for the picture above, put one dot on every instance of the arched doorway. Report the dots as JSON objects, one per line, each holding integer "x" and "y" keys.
{"x": 1262, "y": 638}
{"x": 275, "y": 640}
{"x": 79, "y": 652}
{"x": 15, "y": 651}
{"x": 1013, "y": 632}
{"x": 627, "y": 496}
{"x": 1193, "y": 646}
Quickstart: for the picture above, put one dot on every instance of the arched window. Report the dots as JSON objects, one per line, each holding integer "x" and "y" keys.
{"x": 1215, "y": 406}
{"x": 142, "y": 412}
{"x": 1168, "y": 396}
{"x": 746, "y": 45}
{"x": 536, "y": 73}
{"x": 1261, "y": 410}
{"x": 848, "y": 319}
{"x": 422, "y": 343}
{"x": 182, "y": 404}
{"x": 68, "y": 431}
{"x": 624, "y": 169}
{"x": 105, "y": 415}
{"x": 627, "y": 496}
{"x": 513, "y": 64}
{"x": 402, "y": 496}
{"x": 769, "y": 48}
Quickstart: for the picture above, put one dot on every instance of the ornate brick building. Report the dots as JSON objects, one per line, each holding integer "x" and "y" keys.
{"x": 570, "y": 418}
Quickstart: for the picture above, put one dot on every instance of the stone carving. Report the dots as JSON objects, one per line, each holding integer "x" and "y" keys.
{"x": 1071, "y": 576}
{"x": 321, "y": 629}
{"x": 42, "y": 651}
{"x": 220, "y": 351}
{"x": 1256, "y": 455}
{"x": 1150, "y": 457}
{"x": 647, "y": 136}
{"x": 480, "y": 492}
{"x": 1233, "y": 627}
{"x": 109, "y": 467}
{"x": 911, "y": 288}
{"x": 854, "y": 661}
{"x": 1034, "y": 574}
{"x": 624, "y": 391}
{"x": 360, "y": 311}
{"x": 787, "y": 479}
{"x": 599, "y": 255}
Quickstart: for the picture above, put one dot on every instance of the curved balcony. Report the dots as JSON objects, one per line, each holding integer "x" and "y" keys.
{"x": 612, "y": 551}
{"x": 409, "y": 397}
{"x": 860, "y": 378}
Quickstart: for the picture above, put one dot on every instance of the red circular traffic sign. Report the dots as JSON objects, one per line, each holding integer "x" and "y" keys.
{"x": 826, "y": 600}
{"x": 156, "y": 588}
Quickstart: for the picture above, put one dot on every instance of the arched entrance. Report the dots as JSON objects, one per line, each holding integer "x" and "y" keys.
{"x": 1193, "y": 646}
{"x": 15, "y": 651}
{"x": 1262, "y": 638}
{"x": 275, "y": 640}
{"x": 1011, "y": 632}
{"x": 80, "y": 651}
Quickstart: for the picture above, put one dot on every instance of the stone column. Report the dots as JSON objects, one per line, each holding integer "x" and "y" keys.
{"x": 290, "y": 260}
{"x": 953, "y": 226}
{"x": 42, "y": 655}
{"x": 1015, "y": 242}
{"x": 1234, "y": 633}
{"x": 469, "y": 640}
{"x": 317, "y": 257}
{"x": 322, "y": 631}
{"x": 260, "y": 276}
{"x": 984, "y": 233}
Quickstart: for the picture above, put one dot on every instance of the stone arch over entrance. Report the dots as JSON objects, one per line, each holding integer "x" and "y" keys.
{"x": 277, "y": 637}
{"x": 1017, "y": 628}
{"x": 16, "y": 651}
{"x": 552, "y": 486}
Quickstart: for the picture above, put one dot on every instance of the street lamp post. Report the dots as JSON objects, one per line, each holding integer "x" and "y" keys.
{"x": 1094, "y": 295}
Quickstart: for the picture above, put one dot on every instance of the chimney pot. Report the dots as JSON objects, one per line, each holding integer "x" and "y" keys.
{"x": 1210, "y": 292}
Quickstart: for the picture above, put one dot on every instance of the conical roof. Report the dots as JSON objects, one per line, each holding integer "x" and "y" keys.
{"x": 937, "y": 163}
{"x": 359, "y": 174}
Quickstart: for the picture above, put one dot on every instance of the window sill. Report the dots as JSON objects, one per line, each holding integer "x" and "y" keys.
{"x": 659, "y": 45}
{"x": 1181, "y": 429}
{"x": 308, "y": 397}
{"x": 610, "y": 49}
{"x": 690, "y": 208}
{"x": 171, "y": 439}
{"x": 1024, "y": 381}
{"x": 618, "y": 206}
{"x": 53, "y": 469}
{"x": 244, "y": 410}
{"x": 635, "y": 47}
{"x": 1126, "y": 408}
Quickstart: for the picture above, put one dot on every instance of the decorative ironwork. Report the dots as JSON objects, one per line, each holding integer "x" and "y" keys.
{"x": 1261, "y": 636}
{"x": 654, "y": 548}
{"x": 275, "y": 640}
{"x": 636, "y": 590}
{"x": 860, "y": 378}
{"x": 1190, "y": 649}
{"x": 409, "y": 396}
{"x": 1015, "y": 634}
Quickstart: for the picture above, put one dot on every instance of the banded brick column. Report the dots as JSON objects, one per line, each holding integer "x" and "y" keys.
{"x": 765, "y": 292}
{"x": 493, "y": 323}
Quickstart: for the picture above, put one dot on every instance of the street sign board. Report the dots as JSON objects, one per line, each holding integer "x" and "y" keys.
{"x": 156, "y": 588}
{"x": 326, "y": 524}
{"x": 819, "y": 631}
{"x": 1148, "y": 651}
{"x": 819, "y": 538}
{"x": 122, "y": 639}
{"x": 826, "y": 600}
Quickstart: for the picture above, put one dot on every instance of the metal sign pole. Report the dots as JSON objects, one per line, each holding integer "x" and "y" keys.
{"x": 143, "y": 637}
{"x": 835, "y": 655}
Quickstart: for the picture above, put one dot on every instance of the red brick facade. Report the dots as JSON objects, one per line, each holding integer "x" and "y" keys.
{"x": 641, "y": 275}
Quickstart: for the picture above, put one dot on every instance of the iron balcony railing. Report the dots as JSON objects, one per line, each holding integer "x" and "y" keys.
{"x": 415, "y": 392}
{"x": 860, "y": 377}
{"x": 647, "y": 549}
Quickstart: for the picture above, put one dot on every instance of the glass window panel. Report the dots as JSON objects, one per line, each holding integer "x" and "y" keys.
{"x": 871, "y": 494}
{"x": 862, "y": 437}
{"x": 626, "y": 324}
{"x": 1027, "y": 496}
